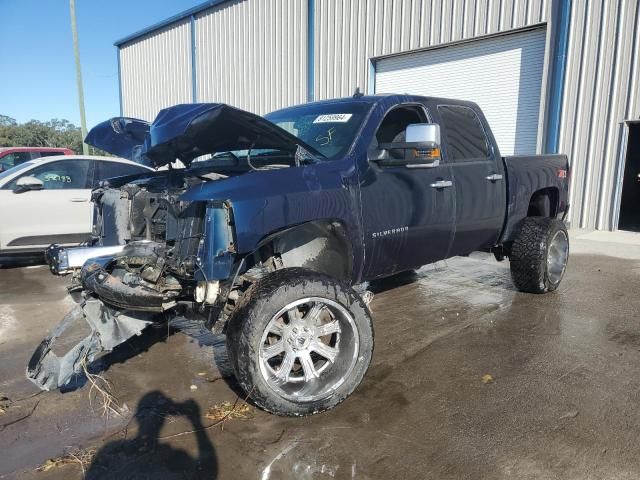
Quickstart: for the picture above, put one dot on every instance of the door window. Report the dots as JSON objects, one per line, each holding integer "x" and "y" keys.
{"x": 61, "y": 175}
{"x": 108, "y": 170}
{"x": 465, "y": 139}
{"x": 393, "y": 126}
{"x": 13, "y": 159}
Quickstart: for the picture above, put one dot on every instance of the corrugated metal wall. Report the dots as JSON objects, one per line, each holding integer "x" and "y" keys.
{"x": 601, "y": 90}
{"x": 156, "y": 71}
{"x": 349, "y": 32}
{"x": 253, "y": 54}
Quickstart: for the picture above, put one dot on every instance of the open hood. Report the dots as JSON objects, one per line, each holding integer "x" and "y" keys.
{"x": 121, "y": 136}
{"x": 188, "y": 131}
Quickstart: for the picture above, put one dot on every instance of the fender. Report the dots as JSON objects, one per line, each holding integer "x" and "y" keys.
{"x": 265, "y": 202}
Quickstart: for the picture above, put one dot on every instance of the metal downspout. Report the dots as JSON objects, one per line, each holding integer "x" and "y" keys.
{"x": 557, "y": 78}
{"x": 310, "y": 50}
{"x": 371, "y": 84}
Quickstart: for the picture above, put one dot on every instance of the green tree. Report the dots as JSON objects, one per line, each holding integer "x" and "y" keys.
{"x": 54, "y": 133}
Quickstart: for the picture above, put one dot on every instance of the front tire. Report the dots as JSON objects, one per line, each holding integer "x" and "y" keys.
{"x": 300, "y": 342}
{"x": 539, "y": 254}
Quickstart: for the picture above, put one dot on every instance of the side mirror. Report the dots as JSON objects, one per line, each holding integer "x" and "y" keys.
{"x": 28, "y": 183}
{"x": 421, "y": 147}
{"x": 423, "y": 133}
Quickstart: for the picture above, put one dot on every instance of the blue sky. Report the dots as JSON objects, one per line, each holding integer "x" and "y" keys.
{"x": 37, "y": 70}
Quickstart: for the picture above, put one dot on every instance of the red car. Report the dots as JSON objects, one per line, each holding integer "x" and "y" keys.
{"x": 12, "y": 156}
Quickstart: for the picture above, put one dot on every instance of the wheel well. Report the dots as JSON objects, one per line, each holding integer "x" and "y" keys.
{"x": 322, "y": 246}
{"x": 543, "y": 203}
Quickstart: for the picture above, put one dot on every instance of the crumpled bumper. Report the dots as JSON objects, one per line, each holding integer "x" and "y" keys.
{"x": 109, "y": 328}
{"x": 95, "y": 279}
{"x": 63, "y": 260}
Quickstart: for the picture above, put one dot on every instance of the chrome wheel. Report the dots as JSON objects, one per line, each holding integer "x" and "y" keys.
{"x": 557, "y": 256}
{"x": 308, "y": 349}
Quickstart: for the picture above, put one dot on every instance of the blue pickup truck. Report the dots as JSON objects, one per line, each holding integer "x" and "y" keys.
{"x": 276, "y": 222}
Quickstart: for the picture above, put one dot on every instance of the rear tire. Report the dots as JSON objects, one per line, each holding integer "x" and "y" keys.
{"x": 300, "y": 342}
{"x": 539, "y": 254}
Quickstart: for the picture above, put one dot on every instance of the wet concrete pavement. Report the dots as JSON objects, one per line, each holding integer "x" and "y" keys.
{"x": 561, "y": 400}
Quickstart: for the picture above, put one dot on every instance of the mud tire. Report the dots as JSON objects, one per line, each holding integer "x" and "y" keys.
{"x": 529, "y": 253}
{"x": 256, "y": 308}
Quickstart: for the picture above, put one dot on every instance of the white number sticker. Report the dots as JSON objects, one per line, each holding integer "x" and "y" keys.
{"x": 333, "y": 118}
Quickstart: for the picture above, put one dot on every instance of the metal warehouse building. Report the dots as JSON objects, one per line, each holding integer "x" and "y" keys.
{"x": 551, "y": 75}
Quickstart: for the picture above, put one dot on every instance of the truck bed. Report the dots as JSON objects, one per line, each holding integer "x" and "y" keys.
{"x": 527, "y": 174}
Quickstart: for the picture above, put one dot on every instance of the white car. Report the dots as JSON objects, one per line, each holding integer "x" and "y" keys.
{"x": 48, "y": 200}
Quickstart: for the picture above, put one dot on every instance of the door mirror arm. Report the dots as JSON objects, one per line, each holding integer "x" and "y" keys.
{"x": 414, "y": 154}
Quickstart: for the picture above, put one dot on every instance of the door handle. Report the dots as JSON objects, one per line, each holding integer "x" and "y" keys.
{"x": 442, "y": 184}
{"x": 79, "y": 199}
{"x": 494, "y": 177}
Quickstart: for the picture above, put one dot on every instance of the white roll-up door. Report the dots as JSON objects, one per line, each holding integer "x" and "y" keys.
{"x": 502, "y": 74}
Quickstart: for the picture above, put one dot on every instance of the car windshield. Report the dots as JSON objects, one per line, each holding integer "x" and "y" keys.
{"x": 329, "y": 128}
{"x": 9, "y": 172}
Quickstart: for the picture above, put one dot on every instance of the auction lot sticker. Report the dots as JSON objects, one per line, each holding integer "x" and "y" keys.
{"x": 333, "y": 118}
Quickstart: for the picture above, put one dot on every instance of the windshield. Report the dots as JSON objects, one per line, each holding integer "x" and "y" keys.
{"x": 12, "y": 170}
{"x": 330, "y": 128}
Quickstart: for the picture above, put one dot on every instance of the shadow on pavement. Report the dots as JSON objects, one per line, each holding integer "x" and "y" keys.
{"x": 394, "y": 281}
{"x": 123, "y": 352}
{"x": 147, "y": 456}
{"x": 198, "y": 332}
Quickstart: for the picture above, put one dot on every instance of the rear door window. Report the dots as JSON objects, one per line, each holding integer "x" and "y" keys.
{"x": 464, "y": 136}
{"x": 60, "y": 175}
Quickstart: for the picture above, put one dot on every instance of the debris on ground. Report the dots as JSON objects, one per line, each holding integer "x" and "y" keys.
{"x": 220, "y": 414}
{"x": 570, "y": 414}
{"x": 19, "y": 419}
{"x": 227, "y": 410}
{"x": 80, "y": 457}
{"x": 102, "y": 389}
{"x": 487, "y": 378}
{"x": 4, "y": 403}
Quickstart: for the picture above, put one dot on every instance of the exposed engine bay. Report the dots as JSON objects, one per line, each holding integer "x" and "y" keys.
{"x": 160, "y": 242}
{"x": 152, "y": 237}
{"x": 161, "y": 238}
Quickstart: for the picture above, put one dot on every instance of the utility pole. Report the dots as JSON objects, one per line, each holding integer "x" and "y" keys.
{"x": 76, "y": 51}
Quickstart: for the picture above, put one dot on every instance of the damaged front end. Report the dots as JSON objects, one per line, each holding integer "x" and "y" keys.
{"x": 155, "y": 254}
{"x": 173, "y": 261}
